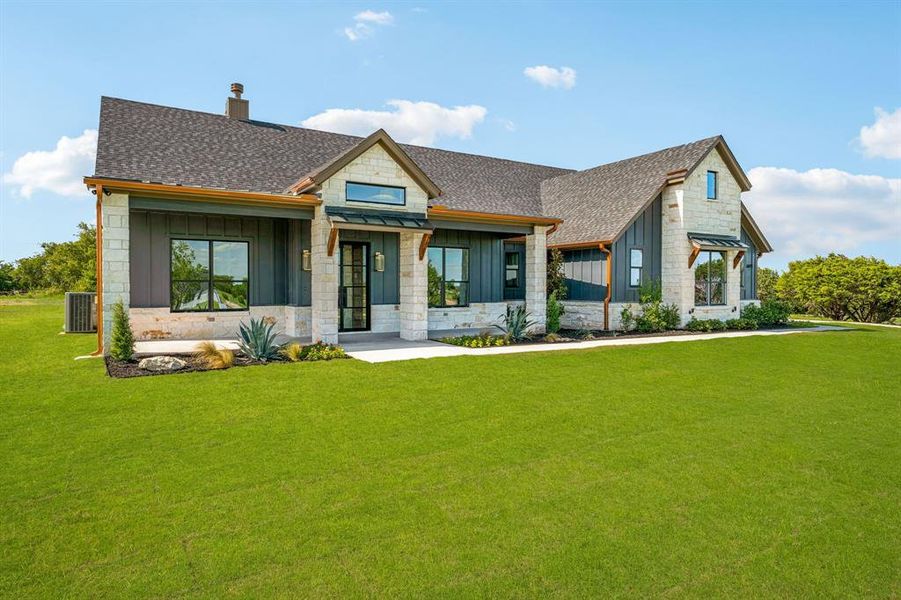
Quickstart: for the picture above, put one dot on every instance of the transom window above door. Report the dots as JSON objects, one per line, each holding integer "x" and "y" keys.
{"x": 375, "y": 194}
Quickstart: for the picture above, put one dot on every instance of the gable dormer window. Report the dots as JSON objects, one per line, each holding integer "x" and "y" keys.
{"x": 375, "y": 194}
{"x": 711, "y": 185}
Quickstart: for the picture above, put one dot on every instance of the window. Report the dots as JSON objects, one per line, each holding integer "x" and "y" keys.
{"x": 635, "y": 266}
{"x": 511, "y": 272}
{"x": 209, "y": 275}
{"x": 711, "y": 185}
{"x": 448, "y": 277}
{"x": 378, "y": 194}
{"x": 710, "y": 278}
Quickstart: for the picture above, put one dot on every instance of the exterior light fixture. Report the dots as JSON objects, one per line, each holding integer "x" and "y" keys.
{"x": 306, "y": 262}
{"x": 379, "y": 262}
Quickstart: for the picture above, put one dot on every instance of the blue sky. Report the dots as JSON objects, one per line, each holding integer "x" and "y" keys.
{"x": 790, "y": 86}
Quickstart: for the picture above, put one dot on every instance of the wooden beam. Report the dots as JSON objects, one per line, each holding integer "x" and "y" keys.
{"x": 737, "y": 259}
{"x": 424, "y": 244}
{"x": 694, "y": 255}
{"x": 332, "y": 240}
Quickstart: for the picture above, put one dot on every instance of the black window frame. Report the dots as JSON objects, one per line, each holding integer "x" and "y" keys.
{"x": 507, "y": 269}
{"x": 211, "y": 277}
{"x": 709, "y": 259}
{"x": 444, "y": 280}
{"x": 716, "y": 185}
{"x": 640, "y": 269}
{"x": 347, "y": 197}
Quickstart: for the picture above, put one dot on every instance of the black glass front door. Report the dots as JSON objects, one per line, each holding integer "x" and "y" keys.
{"x": 353, "y": 287}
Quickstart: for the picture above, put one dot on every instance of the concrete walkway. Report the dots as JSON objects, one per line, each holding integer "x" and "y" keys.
{"x": 397, "y": 349}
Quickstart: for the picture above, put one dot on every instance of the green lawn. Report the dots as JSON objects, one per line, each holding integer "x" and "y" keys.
{"x": 764, "y": 466}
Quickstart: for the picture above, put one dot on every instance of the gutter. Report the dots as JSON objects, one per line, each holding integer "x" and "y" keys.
{"x": 480, "y": 217}
{"x": 183, "y": 192}
{"x": 609, "y": 278}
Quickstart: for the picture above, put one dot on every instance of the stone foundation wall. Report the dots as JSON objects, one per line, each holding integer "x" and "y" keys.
{"x": 476, "y": 315}
{"x": 385, "y": 318}
{"x": 161, "y": 324}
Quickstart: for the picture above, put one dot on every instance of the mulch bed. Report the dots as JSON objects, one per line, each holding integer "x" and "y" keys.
{"x": 125, "y": 369}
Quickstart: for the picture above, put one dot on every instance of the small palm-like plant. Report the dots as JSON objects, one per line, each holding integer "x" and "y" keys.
{"x": 517, "y": 323}
{"x": 258, "y": 340}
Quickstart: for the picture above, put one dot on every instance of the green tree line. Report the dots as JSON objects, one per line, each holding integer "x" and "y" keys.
{"x": 836, "y": 287}
{"x": 58, "y": 267}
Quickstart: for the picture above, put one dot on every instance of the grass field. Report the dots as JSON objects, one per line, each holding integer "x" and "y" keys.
{"x": 765, "y": 466}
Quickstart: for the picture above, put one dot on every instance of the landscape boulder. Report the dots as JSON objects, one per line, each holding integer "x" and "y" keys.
{"x": 162, "y": 363}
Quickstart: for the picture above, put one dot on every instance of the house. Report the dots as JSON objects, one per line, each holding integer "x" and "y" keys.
{"x": 210, "y": 219}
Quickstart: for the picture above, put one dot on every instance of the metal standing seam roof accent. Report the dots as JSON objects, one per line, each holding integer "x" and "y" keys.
{"x": 717, "y": 241}
{"x": 378, "y": 219}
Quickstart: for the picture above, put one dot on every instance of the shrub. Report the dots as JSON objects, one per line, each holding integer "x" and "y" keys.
{"x": 626, "y": 318}
{"x": 770, "y": 313}
{"x": 517, "y": 323}
{"x": 122, "y": 342}
{"x": 214, "y": 358}
{"x": 292, "y": 351}
{"x": 258, "y": 340}
{"x": 483, "y": 340}
{"x": 322, "y": 351}
{"x": 552, "y": 338}
{"x": 741, "y": 324}
{"x": 555, "y": 310}
{"x": 705, "y": 325}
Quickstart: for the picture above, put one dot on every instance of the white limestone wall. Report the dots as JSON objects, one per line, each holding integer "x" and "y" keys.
{"x": 687, "y": 209}
{"x": 474, "y": 316}
{"x": 115, "y": 268}
{"x": 377, "y": 167}
{"x": 324, "y": 281}
{"x": 536, "y": 278}
{"x": 385, "y": 318}
{"x": 162, "y": 324}
{"x": 414, "y": 307}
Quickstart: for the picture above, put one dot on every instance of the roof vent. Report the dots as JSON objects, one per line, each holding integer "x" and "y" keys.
{"x": 237, "y": 107}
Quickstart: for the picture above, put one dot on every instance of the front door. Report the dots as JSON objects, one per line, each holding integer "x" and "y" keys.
{"x": 353, "y": 287}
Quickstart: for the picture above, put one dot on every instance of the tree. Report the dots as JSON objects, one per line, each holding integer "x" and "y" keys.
{"x": 766, "y": 283}
{"x": 837, "y": 287}
{"x": 122, "y": 340}
{"x": 60, "y": 267}
{"x": 8, "y": 281}
{"x": 556, "y": 279}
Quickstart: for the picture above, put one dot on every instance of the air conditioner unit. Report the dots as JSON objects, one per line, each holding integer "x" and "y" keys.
{"x": 81, "y": 312}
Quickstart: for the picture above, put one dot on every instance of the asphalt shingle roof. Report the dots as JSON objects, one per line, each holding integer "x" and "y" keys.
{"x": 159, "y": 144}
{"x": 597, "y": 204}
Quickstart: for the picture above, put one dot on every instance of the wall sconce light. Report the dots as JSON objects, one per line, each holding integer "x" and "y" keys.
{"x": 379, "y": 262}
{"x": 306, "y": 262}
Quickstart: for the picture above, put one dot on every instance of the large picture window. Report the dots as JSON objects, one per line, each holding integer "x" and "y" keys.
{"x": 377, "y": 194}
{"x": 448, "y": 277}
{"x": 710, "y": 278}
{"x": 209, "y": 275}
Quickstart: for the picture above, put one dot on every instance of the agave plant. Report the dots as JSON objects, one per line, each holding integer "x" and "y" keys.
{"x": 517, "y": 323}
{"x": 258, "y": 340}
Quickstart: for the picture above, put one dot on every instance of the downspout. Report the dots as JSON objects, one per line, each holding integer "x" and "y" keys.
{"x": 98, "y": 259}
{"x": 609, "y": 278}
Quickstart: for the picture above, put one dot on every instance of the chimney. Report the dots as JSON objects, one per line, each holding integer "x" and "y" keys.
{"x": 237, "y": 107}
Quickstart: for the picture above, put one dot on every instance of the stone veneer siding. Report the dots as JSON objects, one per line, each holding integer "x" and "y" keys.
{"x": 687, "y": 209}
{"x": 414, "y": 308}
{"x": 324, "y": 285}
{"x": 115, "y": 268}
{"x": 374, "y": 166}
{"x": 536, "y": 278}
{"x": 475, "y": 316}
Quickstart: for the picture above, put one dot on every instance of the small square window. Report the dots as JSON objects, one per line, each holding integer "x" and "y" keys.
{"x": 711, "y": 185}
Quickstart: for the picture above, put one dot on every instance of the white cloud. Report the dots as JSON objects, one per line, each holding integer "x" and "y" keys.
{"x": 379, "y": 18}
{"x": 882, "y": 139}
{"x": 564, "y": 77}
{"x": 507, "y": 124}
{"x": 413, "y": 122}
{"x": 823, "y": 210}
{"x": 59, "y": 171}
{"x": 365, "y": 23}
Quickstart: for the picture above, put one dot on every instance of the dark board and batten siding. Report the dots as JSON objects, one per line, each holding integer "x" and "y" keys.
{"x": 384, "y": 286}
{"x": 270, "y": 259}
{"x": 486, "y": 261}
{"x": 749, "y": 264}
{"x": 644, "y": 233}
{"x": 585, "y": 271}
